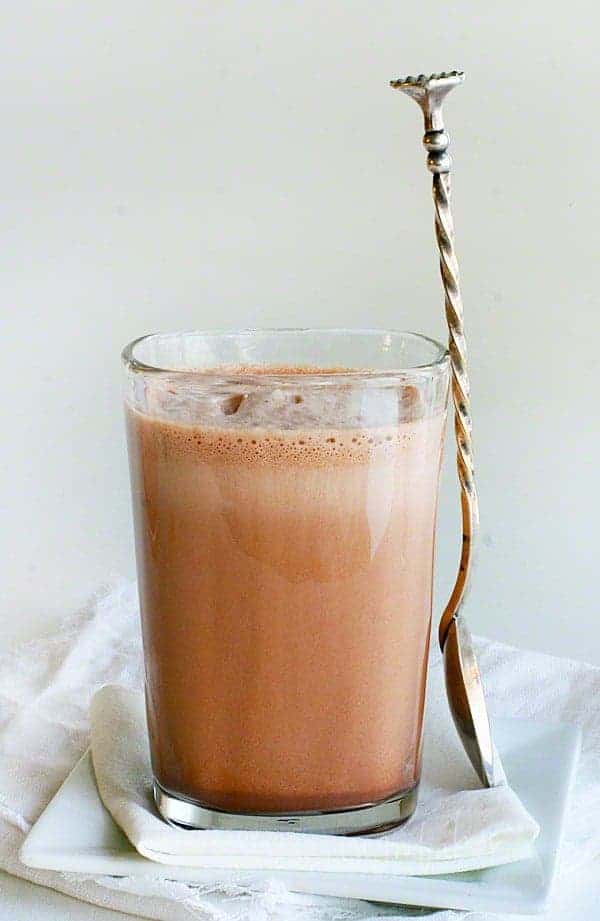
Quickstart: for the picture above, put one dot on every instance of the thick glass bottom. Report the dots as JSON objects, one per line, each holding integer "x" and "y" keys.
{"x": 369, "y": 818}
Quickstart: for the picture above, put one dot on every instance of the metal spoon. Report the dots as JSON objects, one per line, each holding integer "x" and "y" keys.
{"x": 463, "y": 680}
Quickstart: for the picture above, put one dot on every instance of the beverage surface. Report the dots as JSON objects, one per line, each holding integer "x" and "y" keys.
{"x": 285, "y": 552}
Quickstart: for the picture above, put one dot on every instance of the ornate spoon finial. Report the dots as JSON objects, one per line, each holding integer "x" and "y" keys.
{"x": 430, "y": 92}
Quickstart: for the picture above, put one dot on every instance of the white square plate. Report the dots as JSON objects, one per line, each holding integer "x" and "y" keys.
{"x": 76, "y": 834}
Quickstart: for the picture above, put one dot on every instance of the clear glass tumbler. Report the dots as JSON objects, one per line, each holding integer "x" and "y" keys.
{"x": 285, "y": 488}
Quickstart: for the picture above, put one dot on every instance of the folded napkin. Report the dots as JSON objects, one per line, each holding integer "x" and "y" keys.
{"x": 45, "y": 692}
{"x": 457, "y": 826}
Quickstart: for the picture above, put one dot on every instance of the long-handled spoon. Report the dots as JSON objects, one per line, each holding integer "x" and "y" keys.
{"x": 463, "y": 680}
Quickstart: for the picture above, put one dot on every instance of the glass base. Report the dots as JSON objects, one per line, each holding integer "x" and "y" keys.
{"x": 369, "y": 818}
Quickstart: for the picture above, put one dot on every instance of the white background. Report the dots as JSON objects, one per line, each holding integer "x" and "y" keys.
{"x": 180, "y": 164}
{"x": 188, "y": 164}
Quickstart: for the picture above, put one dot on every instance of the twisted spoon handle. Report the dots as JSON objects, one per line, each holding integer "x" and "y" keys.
{"x": 444, "y": 232}
{"x": 429, "y": 93}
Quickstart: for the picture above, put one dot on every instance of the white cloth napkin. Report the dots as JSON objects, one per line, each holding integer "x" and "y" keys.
{"x": 45, "y": 693}
{"x": 458, "y": 825}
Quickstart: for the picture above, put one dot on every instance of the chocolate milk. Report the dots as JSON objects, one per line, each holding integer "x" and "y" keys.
{"x": 285, "y": 552}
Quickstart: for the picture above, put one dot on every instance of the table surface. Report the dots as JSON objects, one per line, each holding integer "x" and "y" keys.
{"x": 21, "y": 901}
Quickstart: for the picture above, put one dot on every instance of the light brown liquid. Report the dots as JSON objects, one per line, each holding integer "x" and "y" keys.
{"x": 285, "y": 584}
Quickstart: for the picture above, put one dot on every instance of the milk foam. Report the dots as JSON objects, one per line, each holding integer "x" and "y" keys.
{"x": 284, "y": 408}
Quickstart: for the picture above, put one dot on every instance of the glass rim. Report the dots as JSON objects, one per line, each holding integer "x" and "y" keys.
{"x": 229, "y": 375}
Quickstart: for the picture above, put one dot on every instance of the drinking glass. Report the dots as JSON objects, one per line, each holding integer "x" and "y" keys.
{"x": 285, "y": 487}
